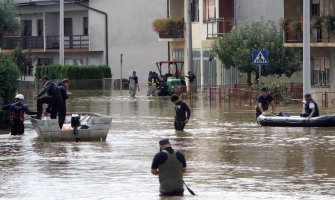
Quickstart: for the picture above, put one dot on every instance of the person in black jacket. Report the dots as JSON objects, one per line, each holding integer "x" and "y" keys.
{"x": 311, "y": 107}
{"x": 183, "y": 113}
{"x": 53, "y": 99}
{"x": 17, "y": 110}
{"x": 63, "y": 87}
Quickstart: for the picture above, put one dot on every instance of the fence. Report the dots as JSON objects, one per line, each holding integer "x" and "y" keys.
{"x": 242, "y": 95}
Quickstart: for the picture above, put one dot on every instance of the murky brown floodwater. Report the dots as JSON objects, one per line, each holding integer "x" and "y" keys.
{"x": 228, "y": 155}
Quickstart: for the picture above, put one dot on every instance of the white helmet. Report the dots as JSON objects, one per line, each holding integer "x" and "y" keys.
{"x": 19, "y": 96}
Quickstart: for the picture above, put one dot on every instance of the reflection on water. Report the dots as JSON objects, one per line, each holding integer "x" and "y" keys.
{"x": 228, "y": 155}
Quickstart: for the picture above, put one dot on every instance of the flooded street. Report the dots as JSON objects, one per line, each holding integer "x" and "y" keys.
{"x": 228, "y": 155}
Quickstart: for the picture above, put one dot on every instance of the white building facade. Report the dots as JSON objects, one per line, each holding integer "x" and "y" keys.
{"x": 96, "y": 32}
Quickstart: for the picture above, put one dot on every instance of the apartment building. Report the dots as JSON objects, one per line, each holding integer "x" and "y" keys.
{"x": 212, "y": 19}
{"x": 322, "y": 44}
{"x": 95, "y": 32}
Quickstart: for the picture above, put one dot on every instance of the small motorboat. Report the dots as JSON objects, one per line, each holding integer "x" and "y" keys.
{"x": 297, "y": 121}
{"x": 77, "y": 127}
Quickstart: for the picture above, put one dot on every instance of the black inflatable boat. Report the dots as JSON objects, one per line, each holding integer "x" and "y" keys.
{"x": 297, "y": 121}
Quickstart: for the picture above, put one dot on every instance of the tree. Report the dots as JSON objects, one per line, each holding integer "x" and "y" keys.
{"x": 234, "y": 49}
{"x": 22, "y": 59}
{"x": 9, "y": 84}
{"x": 8, "y": 22}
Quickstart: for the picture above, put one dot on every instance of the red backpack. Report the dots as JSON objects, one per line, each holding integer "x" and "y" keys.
{"x": 17, "y": 113}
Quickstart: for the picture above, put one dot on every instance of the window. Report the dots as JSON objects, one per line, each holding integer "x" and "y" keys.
{"x": 44, "y": 61}
{"x": 40, "y": 27}
{"x": 315, "y": 8}
{"x": 196, "y": 65}
{"x": 320, "y": 75}
{"x": 85, "y": 25}
{"x": 210, "y": 9}
{"x": 178, "y": 54}
{"x": 209, "y": 65}
{"x": 195, "y": 10}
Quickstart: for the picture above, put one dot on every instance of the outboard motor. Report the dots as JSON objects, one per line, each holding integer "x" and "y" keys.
{"x": 75, "y": 120}
{"x": 75, "y": 123}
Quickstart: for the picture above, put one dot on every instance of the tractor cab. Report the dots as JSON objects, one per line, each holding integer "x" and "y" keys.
{"x": 172, "y": 72}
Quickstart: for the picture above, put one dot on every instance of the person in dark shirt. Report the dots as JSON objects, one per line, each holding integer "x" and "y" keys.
{"x": 263, "y": 102}
{"x": 183, "y": 113}
{"x": 133, "y": 84}
{"x": 53, "y": 99}
{"x": 192, "y": 81}
{"x": 169, "y": 165}
{"x": 17, "y": 110}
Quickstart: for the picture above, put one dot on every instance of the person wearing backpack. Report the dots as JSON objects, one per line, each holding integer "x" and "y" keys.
{"x": 17, "y": 110}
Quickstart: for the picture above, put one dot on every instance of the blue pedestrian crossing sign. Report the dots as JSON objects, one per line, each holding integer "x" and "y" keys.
{"x": 260, "y": 57}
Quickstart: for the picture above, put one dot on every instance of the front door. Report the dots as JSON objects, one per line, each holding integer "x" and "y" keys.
{"x": 68, "y": 34}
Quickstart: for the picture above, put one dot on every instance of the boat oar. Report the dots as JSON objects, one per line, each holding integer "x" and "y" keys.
{"x": 191, "y": 191}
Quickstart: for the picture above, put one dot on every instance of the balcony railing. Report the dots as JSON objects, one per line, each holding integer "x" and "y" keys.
{"x": 317, "y": 36}
{"x": 174, "y": 33}
{"x": 52, "y": 42}
{"x": 217, "y": 27}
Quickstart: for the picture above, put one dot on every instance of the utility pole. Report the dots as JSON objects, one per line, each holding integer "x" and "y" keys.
{"x": 306, "y": 48}
{"x": 61, "y": 32}
{"x": 121, "y": 88}
{"x": 188, "y": 39}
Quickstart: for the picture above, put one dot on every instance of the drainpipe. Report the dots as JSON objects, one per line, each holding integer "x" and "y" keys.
{"x": 168, "y": 15}
{"x": 61, "y": 32}
{"x": 106, "y": 25}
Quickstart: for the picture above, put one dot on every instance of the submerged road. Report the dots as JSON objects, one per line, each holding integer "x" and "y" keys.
{"x": 228, "y": 155}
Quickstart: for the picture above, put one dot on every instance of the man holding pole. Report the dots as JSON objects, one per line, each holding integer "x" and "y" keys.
{"x": 169, "y": 165}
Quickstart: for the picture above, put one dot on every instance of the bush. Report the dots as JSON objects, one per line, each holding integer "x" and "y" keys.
{"x": 9, "y": 83}
{"x": 167, "y": 25}
{"x": 73, "y": 72}
{"x": 277, "y": 89}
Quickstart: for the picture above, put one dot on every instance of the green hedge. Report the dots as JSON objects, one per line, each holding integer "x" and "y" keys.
{"x": 73, "y": 72}
{"x": 9, "y": 84}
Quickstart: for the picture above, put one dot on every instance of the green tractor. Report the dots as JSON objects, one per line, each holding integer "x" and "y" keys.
{"x": 172, "y": 76}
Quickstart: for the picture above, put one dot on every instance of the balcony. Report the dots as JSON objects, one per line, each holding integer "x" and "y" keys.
{"x": 322, "y": 31}
{"x": 172, "y": 34}
{"x": 169, "y": 29}
{"x": 52, "y": 42}
{"x": 217, "y": 27}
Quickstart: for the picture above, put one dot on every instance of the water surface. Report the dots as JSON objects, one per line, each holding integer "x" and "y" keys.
{"x": 228, "y": 155}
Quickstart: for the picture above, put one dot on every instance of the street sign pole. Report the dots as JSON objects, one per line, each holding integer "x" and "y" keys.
{"x": 259, "y": 78}
{"x": 260, "y": 57}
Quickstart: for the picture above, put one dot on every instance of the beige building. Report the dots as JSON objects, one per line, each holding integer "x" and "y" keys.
{"x": 322, "y": 40}
{"x": 212, "y": 19}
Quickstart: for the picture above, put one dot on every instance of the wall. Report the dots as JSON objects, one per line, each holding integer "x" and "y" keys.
{"x": 252, "y": 10}
{"x": 130, "y": 33}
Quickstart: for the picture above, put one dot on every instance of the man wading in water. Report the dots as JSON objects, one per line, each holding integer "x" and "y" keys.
{"x": 169, "y": 165}
{"x": 183, "y": 113}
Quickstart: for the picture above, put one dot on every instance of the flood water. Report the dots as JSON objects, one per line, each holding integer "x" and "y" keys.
{"x": 228, "y": 155}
